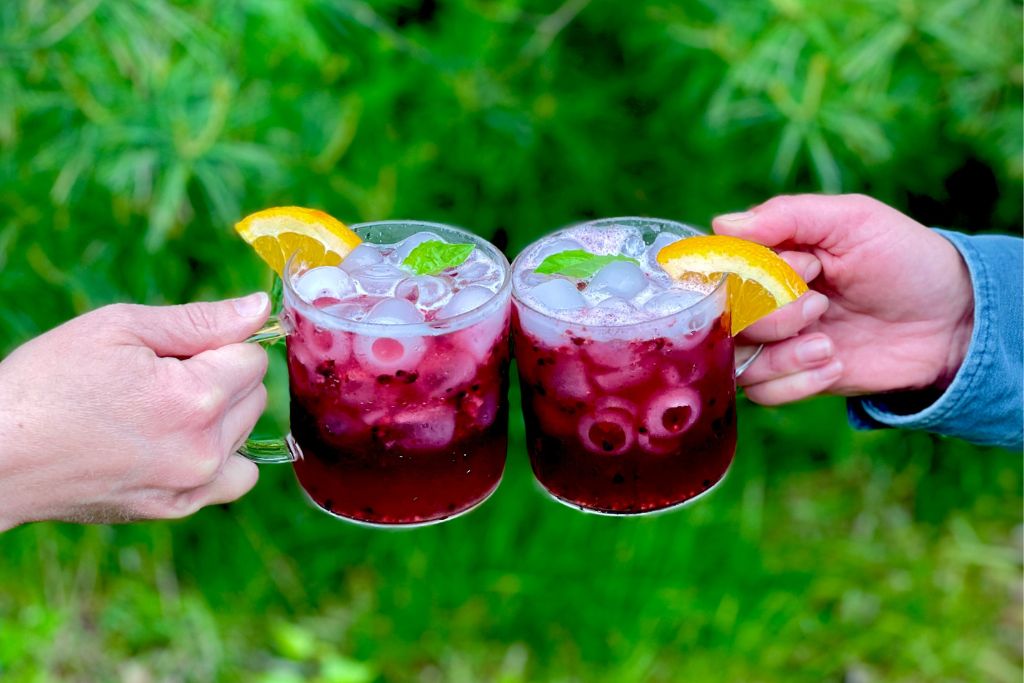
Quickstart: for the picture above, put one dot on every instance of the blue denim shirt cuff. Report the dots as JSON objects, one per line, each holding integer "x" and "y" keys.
{"x": 984, "y": 402}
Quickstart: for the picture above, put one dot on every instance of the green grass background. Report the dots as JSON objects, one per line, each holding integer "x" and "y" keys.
{"x": 133, "y": 133}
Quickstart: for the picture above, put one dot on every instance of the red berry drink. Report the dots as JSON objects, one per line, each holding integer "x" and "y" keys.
{"x": 398, "y": 365}
{"x": 627, "y": 376}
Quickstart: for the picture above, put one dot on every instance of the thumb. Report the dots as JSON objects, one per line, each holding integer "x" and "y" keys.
{"x": 806, "y": 220}
{"x": 186, "y": 330}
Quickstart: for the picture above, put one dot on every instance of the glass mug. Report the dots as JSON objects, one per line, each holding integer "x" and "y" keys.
{"x": 631, "y": 418}
{"x": 395, "y": 424}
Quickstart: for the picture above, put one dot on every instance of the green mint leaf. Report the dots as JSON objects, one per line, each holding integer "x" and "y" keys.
{"x": 578, "y": 263}
{"x": 433, "y": 256}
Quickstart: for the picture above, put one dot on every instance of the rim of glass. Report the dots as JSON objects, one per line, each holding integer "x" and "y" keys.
{"x": 425, "y": 328}
{"x": 689, "y": 230}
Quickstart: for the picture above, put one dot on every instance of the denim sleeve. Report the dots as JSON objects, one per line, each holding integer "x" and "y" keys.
{"x": 985, "y": 402}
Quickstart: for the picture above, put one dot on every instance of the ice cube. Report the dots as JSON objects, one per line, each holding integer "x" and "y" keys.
{"x": 616, "y": 306}
{"x": 465, "y": 300}
{"x": 557, "y": 294}
{"x": 394, "y": 311}
{"x": 425, "y": 291}
{"x": 671, "y": 301}
{"x": 339, "y": 428}
{"x": 672, "y": 412}
{"x": 621, "y": 378}
{"x": 442, "y": 374}
{"x": 360, "y": 389}
{"x": 481, "y": 338}
{"x": 567, "y": 378}
{"x": 349, "y": 310}
{"x": 425, "y": 429}
{"x": 619, "y": 278}
{"x": 379, "y": 279}
{"x": 545, "y": 330}
{"x": 554, "y": 247}
{"x": 681, "y": 372}
{"x": 362, "y": 256}
{"x": 406, "y": 246}
{"x": 482, "y": 272}
{"x": 480, "y": 408}
{"x": 325, "y": 281}
{"x": 386, "y": 355}
{"x": 633, "y": 244}
{"x": 612, "y": 311}
{"x": 662, "y": 240}
{"x": 530, "y": 278}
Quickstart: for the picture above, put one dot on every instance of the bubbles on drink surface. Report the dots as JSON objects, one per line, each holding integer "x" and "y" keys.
{"x": 375, "y": 278}
{"x": 622, "y": 292}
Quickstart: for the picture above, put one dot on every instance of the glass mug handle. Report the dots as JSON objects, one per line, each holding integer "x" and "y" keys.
{"x": 742, "y": 365}
{"x": 266, "y": 451}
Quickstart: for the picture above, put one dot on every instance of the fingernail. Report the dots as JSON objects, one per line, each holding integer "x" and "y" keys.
{"x": 830, "y": 373}
{"x": 249, "y": 306}
{"x": 814, "y": 350}
{"x": 815, "y": 306}
{"x": 739, "y": 219}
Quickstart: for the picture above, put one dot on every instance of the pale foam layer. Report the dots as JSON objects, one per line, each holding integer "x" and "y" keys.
{"x": 621, "y": 293}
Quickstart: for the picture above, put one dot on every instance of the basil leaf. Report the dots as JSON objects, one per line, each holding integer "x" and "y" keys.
{"x": 433, "y": 256}
{"x": 578, "y": 263}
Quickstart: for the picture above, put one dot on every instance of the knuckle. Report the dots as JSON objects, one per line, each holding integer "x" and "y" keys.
{"x": 780, "y": 202}
{"x": 182, "y": 505}
{"x": 763, "y": 395}
{"x": 115, "y": 314}
{"x": 261, "y": 393}
{"x": 167, "y": 505}
{"x": 203, "y": 401}
{"x": 777, "y": 364}
{"x": 201, "y": 469}
{"x": 200, "y": 318}
{"x": 252, "y": 359}
{"x": 209, "y": 402}
{"x": 861, "y": 205}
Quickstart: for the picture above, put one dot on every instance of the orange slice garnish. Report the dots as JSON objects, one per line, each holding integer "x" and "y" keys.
{"x": 314, "y": 237}
{"x": 760, "y": 281}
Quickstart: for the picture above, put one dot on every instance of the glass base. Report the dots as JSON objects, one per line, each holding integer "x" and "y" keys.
{"x": 645, "y": 513}
{"x": 403, "y": 525}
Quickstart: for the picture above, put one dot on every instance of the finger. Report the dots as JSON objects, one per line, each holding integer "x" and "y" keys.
{"x": 234, "y": 370}
{"x": 806, "y": 219}
{"x": 788, "y": 320}
{"x": 796, "y": 386}
{"x": 236, "y": 478}
{"x": 806, "y": 265}
{"x": 242, "y": 417}
{"x": 183, "y": 331}
{"x": 788, "y": 357}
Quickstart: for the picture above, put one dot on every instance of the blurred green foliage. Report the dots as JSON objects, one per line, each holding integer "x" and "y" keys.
{"x": 133, "y": 133}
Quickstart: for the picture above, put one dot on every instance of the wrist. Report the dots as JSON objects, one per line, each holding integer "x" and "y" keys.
{"x": 11, "y": 513}
{"x": 957, "y": 341}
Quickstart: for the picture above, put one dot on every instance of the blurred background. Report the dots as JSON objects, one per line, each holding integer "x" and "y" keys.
{"x": 134, "y": 133}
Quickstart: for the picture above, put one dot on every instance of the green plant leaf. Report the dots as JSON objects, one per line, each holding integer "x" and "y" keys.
{"x": 578, "y": 263}
{"x": 433, "y": 256}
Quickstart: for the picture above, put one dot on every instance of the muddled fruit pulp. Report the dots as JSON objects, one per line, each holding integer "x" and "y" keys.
{"x": 629, "y": 426}
{"x": 403, "y": 430}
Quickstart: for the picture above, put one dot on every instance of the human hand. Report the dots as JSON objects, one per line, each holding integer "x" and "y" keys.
{"x": 131, "y": 412}
{"x": 899, "y": 310}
